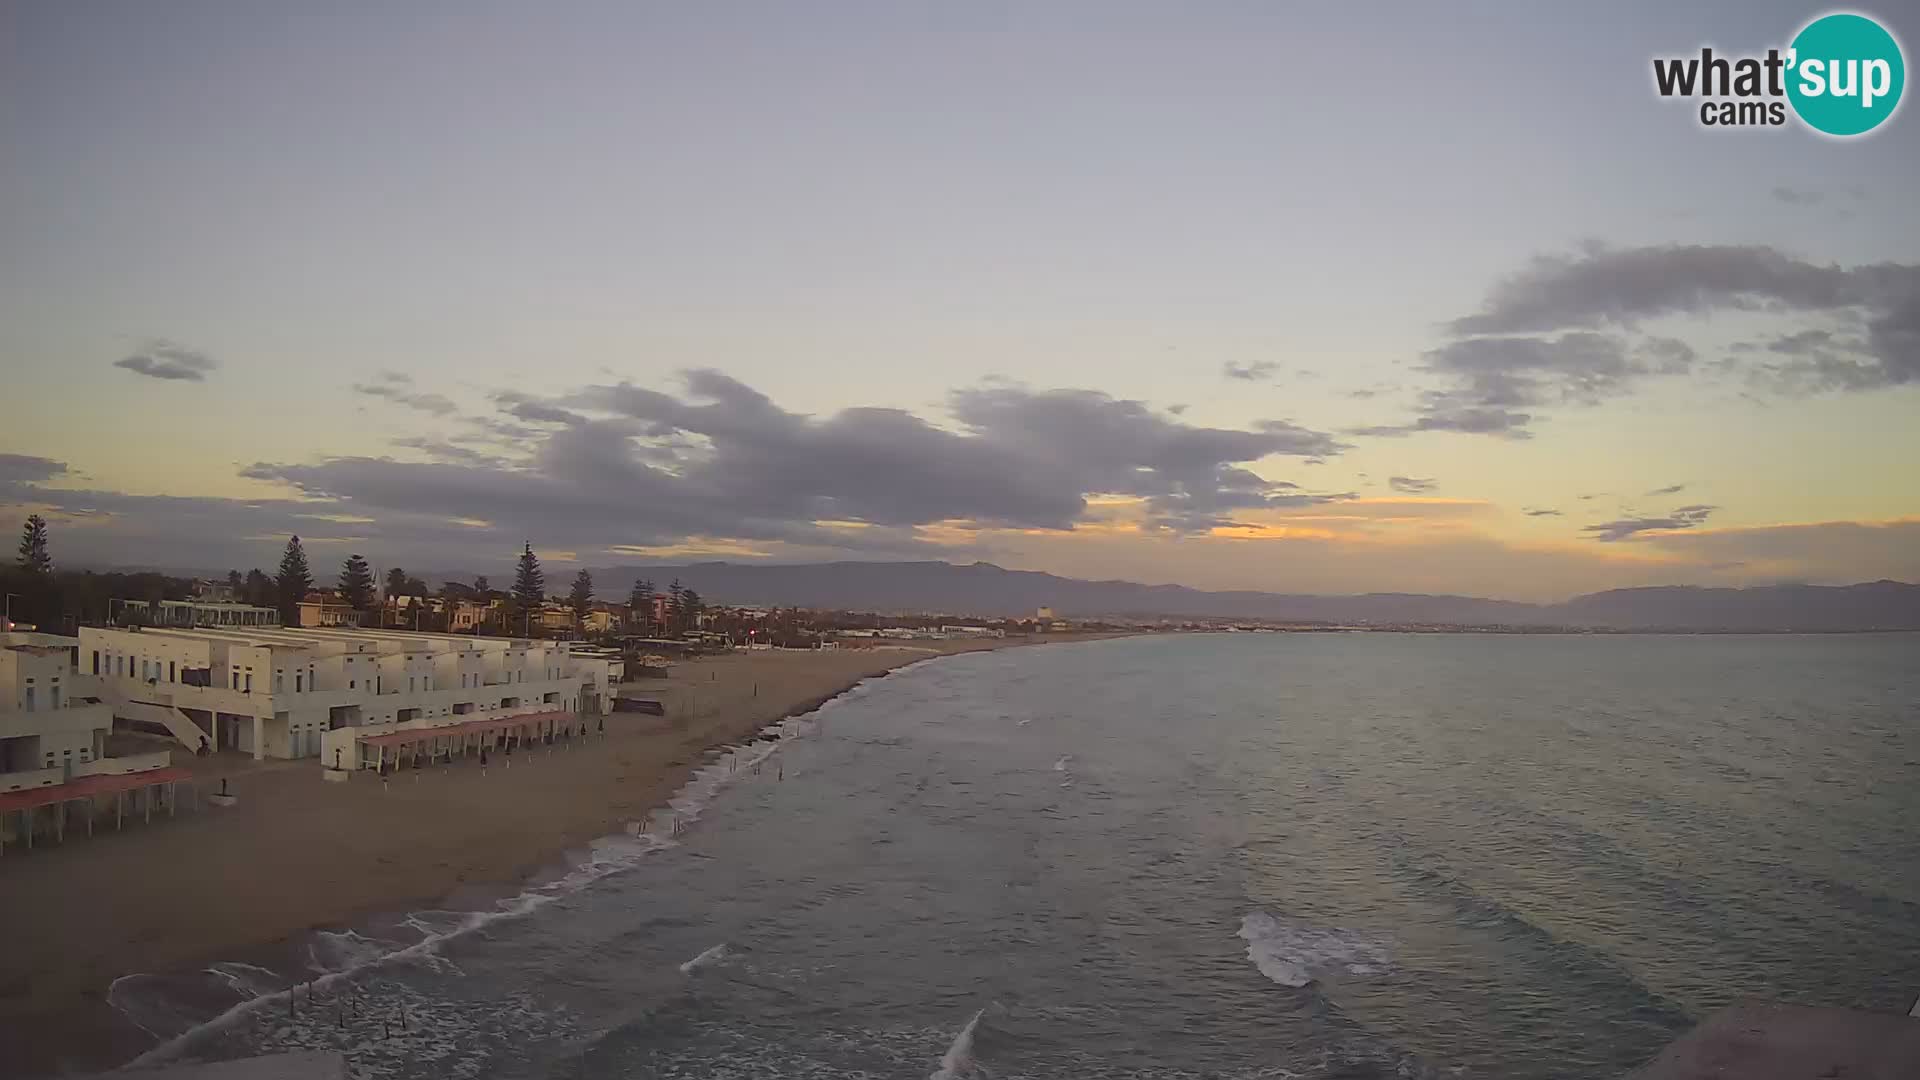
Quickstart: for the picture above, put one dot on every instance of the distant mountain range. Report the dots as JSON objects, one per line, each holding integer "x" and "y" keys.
{"x": 986, "y": 589}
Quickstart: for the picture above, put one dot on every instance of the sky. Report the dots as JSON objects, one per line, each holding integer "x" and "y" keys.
{"x": 1437, "y": 298}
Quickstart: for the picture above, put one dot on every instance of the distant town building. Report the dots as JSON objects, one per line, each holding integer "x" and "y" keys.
{"x": 189, "y": 613}
{"x": 1043, "y": 615}
{"x": 217, "y": 592}
{"x": 469, "y": 616}
{"x": 323, "y": 608}
{"x": 604, "y": 619}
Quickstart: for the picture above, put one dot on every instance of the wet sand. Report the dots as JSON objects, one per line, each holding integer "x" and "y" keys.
{"x": 297, "y": 853}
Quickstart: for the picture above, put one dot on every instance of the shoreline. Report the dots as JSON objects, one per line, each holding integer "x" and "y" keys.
{"x": 299, "y": 855}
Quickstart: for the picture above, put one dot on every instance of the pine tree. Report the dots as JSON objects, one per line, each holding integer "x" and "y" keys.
{"x": 640, "y": 604}
{"x": 691, "y": 608}
{"x": 676, "y": 596}
{"x": 481, "y": 587}
{"x": 33, "y": 549}
{"x": 529, "y": 585}
{"x": 259, "y": 589}
{"x": 581, "y": 598}
{"x": 397, "y": 582}
{"x": 356, "y": 582}
{"x": 234, "y": 583}
{"x": 293, "y": 582}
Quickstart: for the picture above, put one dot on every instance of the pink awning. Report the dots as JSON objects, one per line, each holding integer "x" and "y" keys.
{"x": 89, "y": 786}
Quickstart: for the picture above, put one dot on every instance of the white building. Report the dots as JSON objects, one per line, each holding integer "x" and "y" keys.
{"x": 322, "y": 692}
{"x": 53, "y": 740}
{"x": 46, "y": 723}
{"x": 198, "y": 612}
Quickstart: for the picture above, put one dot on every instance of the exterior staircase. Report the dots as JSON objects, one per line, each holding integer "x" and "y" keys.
{"x": 178, "y": 723}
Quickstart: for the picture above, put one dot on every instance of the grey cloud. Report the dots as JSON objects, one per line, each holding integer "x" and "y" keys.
{"x": 1443, "y": 412}
{"x": 448, "y": 451}
{"x": 1686, "y": 517}
{"x": 17, "y": 469}
{"x": 628, "y": 466}
{"x": 1541, "y": 511}
{"x": 1566, "y": 331}
{"x": 398, "y": 388}
{"x": 1410, "y": 485}
{"x": 633, "y": 466}
{"x": 1877, "y": 305}
{"x": 535, "y": 410}
{"x": 1670, "y": 489}
{"x": 162, "y": 359}
{"x": 1257, "y": 371}
{"x": 1024, "y": 458}
{"x": 1798, "y": 196}
{"x": 1620, "y": 287}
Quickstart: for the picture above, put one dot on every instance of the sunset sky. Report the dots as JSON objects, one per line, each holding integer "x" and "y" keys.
{"x": 1235, "y": 295}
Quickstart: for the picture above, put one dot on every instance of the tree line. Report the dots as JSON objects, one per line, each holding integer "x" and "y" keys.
{"x": 58, "y": 601}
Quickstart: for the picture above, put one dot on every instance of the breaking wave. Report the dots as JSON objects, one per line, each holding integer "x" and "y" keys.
{"x": 1294, "y": 955}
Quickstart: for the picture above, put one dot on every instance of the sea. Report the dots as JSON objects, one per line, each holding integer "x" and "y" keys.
{"x": 1302, "y": 855}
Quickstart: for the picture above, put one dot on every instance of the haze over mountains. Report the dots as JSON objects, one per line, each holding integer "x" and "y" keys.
{"x": 986, "y": 589}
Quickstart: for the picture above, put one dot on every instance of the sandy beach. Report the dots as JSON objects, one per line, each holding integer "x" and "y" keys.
{"x": 296, "y": 853}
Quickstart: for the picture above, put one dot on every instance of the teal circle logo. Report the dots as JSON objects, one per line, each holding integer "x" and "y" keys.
{"x": 1846, "y": 74}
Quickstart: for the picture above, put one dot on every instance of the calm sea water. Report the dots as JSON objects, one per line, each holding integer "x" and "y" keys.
{"x": 1213, "y": 856}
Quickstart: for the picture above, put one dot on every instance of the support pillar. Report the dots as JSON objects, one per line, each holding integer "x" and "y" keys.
{"x": 259, "y": 738}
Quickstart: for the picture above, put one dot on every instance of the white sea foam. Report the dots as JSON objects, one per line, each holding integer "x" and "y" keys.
{"x": 1061, "y": 765}
{"x": 957, "y": 1062}
{"x": 248, "y": 980}
{"x": 1295, "y": 955}
{"x": 706, "y": 958}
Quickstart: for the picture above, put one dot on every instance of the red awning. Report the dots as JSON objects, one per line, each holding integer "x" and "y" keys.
{"x": 89, "y": 786}
{"x": 470, "y": 727}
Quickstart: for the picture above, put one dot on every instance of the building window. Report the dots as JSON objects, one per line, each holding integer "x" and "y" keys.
{"x": 296, "y": 682}
{"x": 55, "y": 696}
{"x": 249, "y": 682}
{"x": 96, "y": 661}
{"x": 409, "y": 684}
{"x": 351, "y": 684}
{"x": 170, "y": 672}
{"x": 28, "y": 706}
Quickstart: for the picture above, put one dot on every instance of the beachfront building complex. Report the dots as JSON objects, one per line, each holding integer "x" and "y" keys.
{"x": 338, "y": 693}
{"x": 53, "y": 740}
